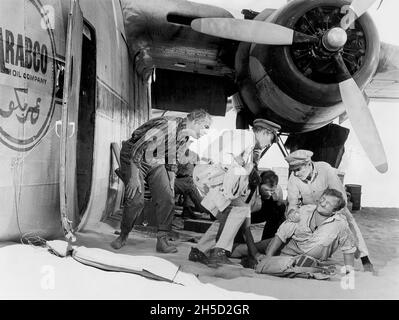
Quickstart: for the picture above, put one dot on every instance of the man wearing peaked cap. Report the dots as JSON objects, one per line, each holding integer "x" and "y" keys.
{"x": 267, "y": 125}
{"x": 265, "y": 132}
{"x": 299, "y": 158}
{"x": 306, "y": 185}
{"x": 247, "y": 155}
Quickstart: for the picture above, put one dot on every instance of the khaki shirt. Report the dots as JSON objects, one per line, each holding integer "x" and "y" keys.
{"x": 321, "y": 243}
{"x": 309, "y": 192}
{"x": 231, "y": 146}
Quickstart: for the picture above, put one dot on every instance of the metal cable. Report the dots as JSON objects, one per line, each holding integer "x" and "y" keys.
{"x": 16, "y": 167}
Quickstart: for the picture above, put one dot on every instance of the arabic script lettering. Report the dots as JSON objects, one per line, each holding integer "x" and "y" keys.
{"x": 27, "y": 112}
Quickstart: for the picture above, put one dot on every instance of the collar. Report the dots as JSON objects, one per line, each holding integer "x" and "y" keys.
{"x": 334, "y": 217}
{"x": 315, "y": 173}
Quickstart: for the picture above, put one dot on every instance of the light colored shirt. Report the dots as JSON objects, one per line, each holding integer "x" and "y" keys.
{"x": 309, "y": 192}
{"x": 321, "y": 243}
{"x": 234, "y": 153}
{"x": 231, "y": 145}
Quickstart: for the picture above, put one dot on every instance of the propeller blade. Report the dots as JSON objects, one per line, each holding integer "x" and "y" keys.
{"x": 363, "y": 124}
{"x": 361, "y": 118}
{"x": 361, "y": 6}
{"x": 358, "y": 7}
{"x": 250, "y": 31}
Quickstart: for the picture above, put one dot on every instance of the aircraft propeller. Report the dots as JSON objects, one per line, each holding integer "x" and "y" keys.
{"x": 333, "y": 40}
{"x": 358, "y": 7}
{"x": 250, "y": 31}
{"x": 360, "y": 117}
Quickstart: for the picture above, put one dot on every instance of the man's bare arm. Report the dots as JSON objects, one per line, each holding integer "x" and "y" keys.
{"x": 274, "y": 246}
{"x": 252, "y": 251}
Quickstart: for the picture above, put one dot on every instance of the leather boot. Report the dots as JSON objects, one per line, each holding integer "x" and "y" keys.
{"x": 163, "y": 246}
{"x": 119, "y": 242}
{"x": 219, "y": 256}
{"x": 197, "y": 255}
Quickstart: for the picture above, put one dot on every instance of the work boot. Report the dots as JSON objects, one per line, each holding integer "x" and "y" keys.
{"x": 219, "y": 256}
{"x": 163, "y": 246}
{"x": 197, "y": 255}
{"x": 119, "y": 242}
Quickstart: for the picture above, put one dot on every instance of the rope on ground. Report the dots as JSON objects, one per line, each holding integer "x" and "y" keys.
{"x": 32, "y": 239}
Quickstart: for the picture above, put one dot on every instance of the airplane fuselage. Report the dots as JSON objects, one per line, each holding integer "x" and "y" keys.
{"x": 113, "y": 100}
{"x": 123, "y": 42}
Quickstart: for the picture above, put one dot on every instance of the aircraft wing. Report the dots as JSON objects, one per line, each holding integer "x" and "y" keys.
{"x": 197, "y": 68}
{"x": 159, "y": 32}
{"x": 385, "y": 83}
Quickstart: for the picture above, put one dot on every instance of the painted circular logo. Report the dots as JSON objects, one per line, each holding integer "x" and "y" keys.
{"x": 27, "y": 73}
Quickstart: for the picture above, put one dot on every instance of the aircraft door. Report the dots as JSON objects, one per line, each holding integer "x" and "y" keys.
{"x": 69, "y": 118}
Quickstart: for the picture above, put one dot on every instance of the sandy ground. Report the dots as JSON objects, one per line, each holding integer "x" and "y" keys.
{"x": 24, "y": 269}
{"x": 380, "y": 228}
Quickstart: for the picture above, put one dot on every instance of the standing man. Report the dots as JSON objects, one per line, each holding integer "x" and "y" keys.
{"x": 269, "y": 207}
{"x": 152, "y": 154}
{"x": 240, "y": 152}
{"x": 307, "y": 183}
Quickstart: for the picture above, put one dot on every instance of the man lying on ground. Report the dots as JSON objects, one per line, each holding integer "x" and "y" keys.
{"x": 319, "y": 232}
{"x": 307, "y": 183}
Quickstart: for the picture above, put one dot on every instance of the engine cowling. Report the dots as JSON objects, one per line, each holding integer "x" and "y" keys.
{"x": 297, "y": 86}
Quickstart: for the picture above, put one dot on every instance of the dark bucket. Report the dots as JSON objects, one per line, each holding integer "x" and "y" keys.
{"x": 355, "y": 191}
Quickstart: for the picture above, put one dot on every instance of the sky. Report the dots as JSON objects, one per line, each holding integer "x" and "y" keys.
{"x": 377, "y": 189}
{"x": 385, "y": 17}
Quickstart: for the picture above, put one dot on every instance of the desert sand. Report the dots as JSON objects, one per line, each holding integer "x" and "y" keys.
{"x": 23, "y": 269}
